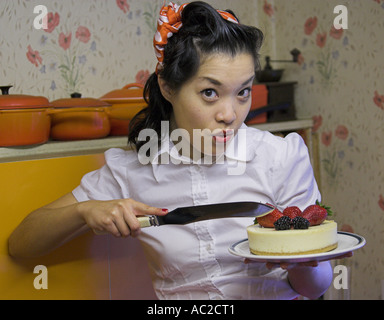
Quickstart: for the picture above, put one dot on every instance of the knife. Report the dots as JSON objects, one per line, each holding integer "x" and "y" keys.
{"x": 185, "y": 215}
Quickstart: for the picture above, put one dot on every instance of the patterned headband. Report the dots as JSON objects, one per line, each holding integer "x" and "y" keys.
{"x": 169, "y": 23}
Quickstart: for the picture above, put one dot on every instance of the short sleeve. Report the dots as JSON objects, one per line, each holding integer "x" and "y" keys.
{"x": 293, "y": 178}
{"x": 106, "y": 183}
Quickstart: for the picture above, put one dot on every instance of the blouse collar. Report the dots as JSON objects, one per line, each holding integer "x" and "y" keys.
{"x": 240, "y": 149}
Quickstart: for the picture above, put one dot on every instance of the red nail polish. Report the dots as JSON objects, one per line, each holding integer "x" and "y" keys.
{"x": 164, "y": 210}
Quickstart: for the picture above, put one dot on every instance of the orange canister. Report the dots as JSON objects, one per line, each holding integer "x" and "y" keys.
{"x": 24, "y": 119}
{"x": 78, "y": 118}
{"x": 126, "y": 103}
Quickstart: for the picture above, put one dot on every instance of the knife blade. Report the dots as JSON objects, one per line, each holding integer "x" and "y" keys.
{"x": 185, "y": 215}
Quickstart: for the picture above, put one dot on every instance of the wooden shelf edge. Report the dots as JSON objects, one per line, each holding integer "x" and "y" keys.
{"x": 56, "y": 149}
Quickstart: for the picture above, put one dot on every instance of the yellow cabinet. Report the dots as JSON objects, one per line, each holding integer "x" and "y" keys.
{"x": 89, "y": 267}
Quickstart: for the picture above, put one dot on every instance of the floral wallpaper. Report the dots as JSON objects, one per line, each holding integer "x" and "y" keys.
{"x": 95, "y": 46}
{"x": 341, "y": 86}
{"x": 98, "y": 47}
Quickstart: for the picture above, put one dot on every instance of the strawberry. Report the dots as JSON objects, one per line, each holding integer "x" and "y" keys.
{"x": 269, "y": 220}
{"x": 316, "y": 213}
{"x": 292, "y": 212}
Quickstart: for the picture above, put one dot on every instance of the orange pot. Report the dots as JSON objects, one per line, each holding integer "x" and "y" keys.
{"x": 126, "y": 103}
{"x": 79, "y": 119}
{"x": 24, "y": 119}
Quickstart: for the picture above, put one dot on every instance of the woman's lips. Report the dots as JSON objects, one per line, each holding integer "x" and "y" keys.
{"x": 224, "y": 136}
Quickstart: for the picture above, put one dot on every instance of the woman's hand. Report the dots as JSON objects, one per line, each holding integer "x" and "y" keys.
{"x": 57, "y": 223}
{"x": 310, "y": 279}
{"x": 117, "y": 217}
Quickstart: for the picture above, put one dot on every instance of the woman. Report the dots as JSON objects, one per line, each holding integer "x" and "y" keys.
{"x": 202, "y": 91}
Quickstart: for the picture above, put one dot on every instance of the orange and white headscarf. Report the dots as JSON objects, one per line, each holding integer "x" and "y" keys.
{"x": 170, "y": 23}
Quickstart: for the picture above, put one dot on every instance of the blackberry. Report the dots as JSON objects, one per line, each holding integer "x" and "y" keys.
{"x": 300, "y": 223}
{"x": 283, "y": 223}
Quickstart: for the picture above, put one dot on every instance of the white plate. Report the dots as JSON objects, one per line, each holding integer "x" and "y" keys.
{"x": 346, "y": 242}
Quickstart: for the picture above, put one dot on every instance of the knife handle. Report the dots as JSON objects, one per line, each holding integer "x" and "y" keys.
{"x": 148, "y": 221}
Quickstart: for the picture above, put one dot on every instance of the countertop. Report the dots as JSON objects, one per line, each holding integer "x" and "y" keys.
{"x": 58, "y": 149}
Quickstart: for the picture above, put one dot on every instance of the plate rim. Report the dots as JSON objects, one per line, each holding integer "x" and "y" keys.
{"x": 307, "y": 257}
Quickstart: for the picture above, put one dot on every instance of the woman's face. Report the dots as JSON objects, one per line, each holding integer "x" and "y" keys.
{"x": 213, "y": 105}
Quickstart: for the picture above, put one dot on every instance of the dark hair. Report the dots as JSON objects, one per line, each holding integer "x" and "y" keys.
{"x": 203, "y": 32}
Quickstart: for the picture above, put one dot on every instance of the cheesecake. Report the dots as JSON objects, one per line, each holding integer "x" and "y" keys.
{"x": 315, "y": 239}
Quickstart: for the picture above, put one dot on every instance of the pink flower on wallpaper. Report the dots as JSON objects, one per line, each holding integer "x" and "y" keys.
{"x": 123, "y": 5}
{"x": 268, "y": 9}
{"x": 142, "y": 76}
{"x": 381, "y": 202}
{"x": 342, "y": 132}
{"x": 321, "y": 39}
{"x": 65, "y": 40}
{"x": 53, "y": 21}
{"x": 326, "y": 138}
{"x": 310, "y": 25}
{"x": 336, "y": 34}
{"x": 317, "y": 122}
{"x": 379, "y": 100}
{"x": 34, "y": 56}
{"x": 83, "y": 34}
{"x": 300, "y": 59}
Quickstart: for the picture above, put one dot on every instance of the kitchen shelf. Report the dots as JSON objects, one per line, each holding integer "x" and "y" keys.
{"x": 58, "y": 149}
{"x": 285, "y": 126}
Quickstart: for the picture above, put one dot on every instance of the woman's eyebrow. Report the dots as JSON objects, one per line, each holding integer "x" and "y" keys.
{"x": 218, "y": 83}
{"x": 211, "y": 80}
{"x": 249, "y": 80}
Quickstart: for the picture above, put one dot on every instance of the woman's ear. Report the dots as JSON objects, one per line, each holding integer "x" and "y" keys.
{"x": 165, "y": 89}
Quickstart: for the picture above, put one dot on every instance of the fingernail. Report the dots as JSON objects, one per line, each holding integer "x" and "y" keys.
{"x": 272, "y": 266}
{"x": 164, "y": 210}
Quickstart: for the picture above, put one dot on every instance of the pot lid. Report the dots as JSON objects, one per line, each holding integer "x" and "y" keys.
{"x": 20, "y": 101}
{"x": 130, "y": 93}
{"x": 76, "y": 101}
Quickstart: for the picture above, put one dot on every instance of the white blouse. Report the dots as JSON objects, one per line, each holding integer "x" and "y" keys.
{"x": 192, "y": 261}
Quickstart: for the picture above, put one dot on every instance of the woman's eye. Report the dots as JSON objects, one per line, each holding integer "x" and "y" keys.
{"x": 245, "y": 94}
{"x": 209, "y": 94}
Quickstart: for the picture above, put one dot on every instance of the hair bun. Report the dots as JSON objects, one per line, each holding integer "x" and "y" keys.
{"x": 199, "y": 19}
